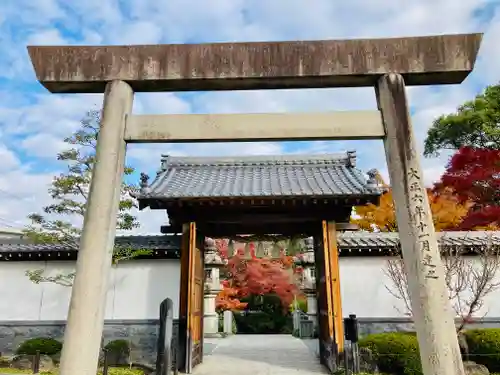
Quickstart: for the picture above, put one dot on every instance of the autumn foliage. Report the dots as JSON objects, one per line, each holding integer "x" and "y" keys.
{"x": 447, "y": 212}
{"x": 473, "y": 175}
{"x": 252, "y": 276}
{"x": 228, "y": 299}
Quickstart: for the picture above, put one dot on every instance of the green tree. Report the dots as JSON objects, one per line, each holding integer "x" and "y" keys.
{"x": 61, "y": 221}
{"x": 476, "y": 124}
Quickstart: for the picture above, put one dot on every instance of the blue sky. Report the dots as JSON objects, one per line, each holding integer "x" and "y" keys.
{"x": 33, "y": 122}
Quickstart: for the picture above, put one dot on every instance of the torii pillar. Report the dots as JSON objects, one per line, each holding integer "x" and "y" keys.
{"x": 387, "y": 64}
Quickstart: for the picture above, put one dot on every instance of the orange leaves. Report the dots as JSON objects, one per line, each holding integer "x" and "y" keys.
{"x": 447, "y": 212}
{"x": 228, "y": 299}
{"x": 381, "y": 217}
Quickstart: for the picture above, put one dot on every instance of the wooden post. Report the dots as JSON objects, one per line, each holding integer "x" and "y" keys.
{"x": 431, "y": 308}
{"x": 338, "y": 322}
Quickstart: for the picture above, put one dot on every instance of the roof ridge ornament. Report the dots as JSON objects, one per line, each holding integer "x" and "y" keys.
{"x": 164, "y": 163}
{"x": 144, "y": 187}
{"x": 351, "y": 158}
{"x": 372, "y": 183}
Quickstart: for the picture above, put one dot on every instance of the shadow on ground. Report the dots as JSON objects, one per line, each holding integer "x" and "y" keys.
{"x": 209, "y": 347}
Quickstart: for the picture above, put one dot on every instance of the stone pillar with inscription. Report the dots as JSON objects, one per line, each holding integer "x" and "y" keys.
{"x": 213, "y": 263}
{"x": 432, "y": 313}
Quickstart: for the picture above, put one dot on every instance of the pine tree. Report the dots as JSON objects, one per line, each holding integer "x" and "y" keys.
{"x": 61, "y": 220}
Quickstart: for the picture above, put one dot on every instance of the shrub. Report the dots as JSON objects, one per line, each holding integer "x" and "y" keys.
{"x": 117, "y": 352}
{"x": 395, "y": 352}
{"x": 118, "y": 346}
{"x": 287, "y": 329}
{"x": 234, "y": 328}
{"x": 484, "y": 347}
{"x": 4, "y": 361}
{"x": 255, "y": 322}
{"x": 301, "y": 305}
{"x": 45, "y": 345}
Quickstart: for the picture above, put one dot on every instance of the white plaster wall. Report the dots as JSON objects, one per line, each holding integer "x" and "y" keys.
{"x": 363, "y": 286}
{"x": 136, "y": 290}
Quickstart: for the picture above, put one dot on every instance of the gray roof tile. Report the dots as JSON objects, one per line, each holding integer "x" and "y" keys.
{"x": 357, "y": 240}
{"x": 163, "y": 242}
{"x": 346, "y": 241}
{"x": 258, "y": 176}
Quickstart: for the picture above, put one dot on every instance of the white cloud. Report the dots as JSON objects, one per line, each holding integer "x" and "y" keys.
{"x": 140, "y": 32}
{"x": 49, "y": 37}
{"x": 22, "y": 192}
{"x": 43, "y": 145}
{"x": 8, "y": 158}
{"x": 33, "y": 123}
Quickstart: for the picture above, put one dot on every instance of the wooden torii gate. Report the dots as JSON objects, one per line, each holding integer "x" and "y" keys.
{"x": 385, "y": 64}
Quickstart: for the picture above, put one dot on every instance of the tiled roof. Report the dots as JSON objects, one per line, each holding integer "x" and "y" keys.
{"x": 359, "y": 240}
{"x": 163, "y": 242}
{"x": 346, "y": 241}
{"x": 258, "y": 176}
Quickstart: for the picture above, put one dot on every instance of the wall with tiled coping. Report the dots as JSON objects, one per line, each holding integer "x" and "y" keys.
{"x": 143, "y": 333}
{"x": 148, "y": 282}
{"x": 40, "y": 310}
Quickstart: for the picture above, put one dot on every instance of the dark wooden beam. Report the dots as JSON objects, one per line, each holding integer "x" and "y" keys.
{"x": 341, "y": 227}
{"x": 261, "y": 214}
{"x": 283, "y": 228}
{"x": 260, "y": 203}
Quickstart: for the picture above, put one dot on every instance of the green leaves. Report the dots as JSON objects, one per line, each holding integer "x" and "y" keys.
{"x": 61, "y": 220}
{"x": 475, "y": 124}
{"x": 37, "y": 277}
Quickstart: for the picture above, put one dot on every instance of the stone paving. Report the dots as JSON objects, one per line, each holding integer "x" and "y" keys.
{"x": 260, "y": 355}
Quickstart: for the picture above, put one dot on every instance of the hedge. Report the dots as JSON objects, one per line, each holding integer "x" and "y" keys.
{"x": 484, "y": 347}
{"x": 44, "y": 345}
{"x": 397, "y": 352}
{"x": 394, "y": 352}
{"x": 260, "y": 322}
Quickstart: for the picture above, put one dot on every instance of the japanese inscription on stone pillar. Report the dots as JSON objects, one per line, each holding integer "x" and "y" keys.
{"x": 421, "y": 220}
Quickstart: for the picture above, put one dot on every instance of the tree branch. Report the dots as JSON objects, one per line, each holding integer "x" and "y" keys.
{"x": 469, "y": 280}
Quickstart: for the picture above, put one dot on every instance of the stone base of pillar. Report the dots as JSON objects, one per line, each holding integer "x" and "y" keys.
{"x": 313, "y": 318}
{"x": 312, "y": 311}
{"x": 210, "y": 324}
{"x": 228, "y": 322}
{"x": 210, "y": 316}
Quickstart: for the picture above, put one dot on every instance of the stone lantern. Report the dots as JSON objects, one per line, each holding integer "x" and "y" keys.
{"x": 213, "y": 264}
{"x": 309, "y": 279}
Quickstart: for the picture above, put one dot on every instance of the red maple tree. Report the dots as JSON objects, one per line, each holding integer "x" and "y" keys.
{"x": 222, "y": 246}
{"x": 252, "y": 276}
{"x": 474, "y": 176}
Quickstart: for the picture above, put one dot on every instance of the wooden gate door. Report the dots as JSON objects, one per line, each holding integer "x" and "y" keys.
{"x": 328, "y": 296}
{"x": 191, "y": 299}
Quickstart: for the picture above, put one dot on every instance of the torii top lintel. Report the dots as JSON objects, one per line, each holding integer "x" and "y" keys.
{"x": 441, "y": 59}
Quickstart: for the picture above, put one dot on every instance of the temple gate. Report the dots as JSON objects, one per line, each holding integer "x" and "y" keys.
{"x": 385, "y": 64}
{"x": 296, "y": 195}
